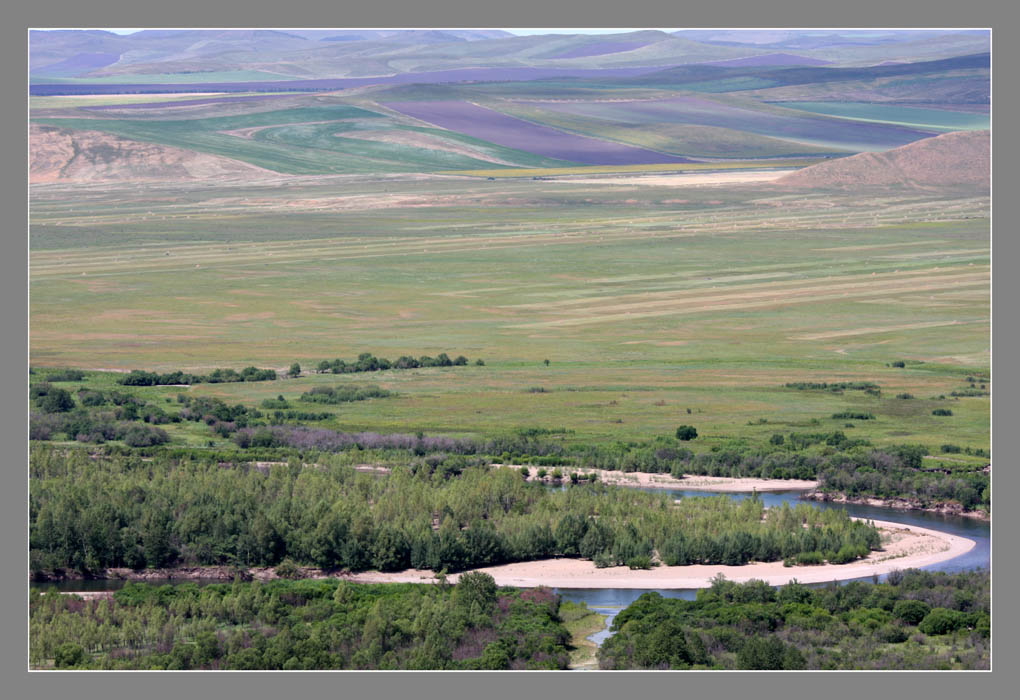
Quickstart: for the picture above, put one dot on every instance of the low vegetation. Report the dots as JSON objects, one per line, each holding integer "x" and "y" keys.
{"x": 917, "y": 620}
{"x": 301, "y": 625}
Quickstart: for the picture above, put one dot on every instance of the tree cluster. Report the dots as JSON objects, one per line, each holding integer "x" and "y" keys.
{"x": 292, "y": 625}
{"x": 917, "y": 620}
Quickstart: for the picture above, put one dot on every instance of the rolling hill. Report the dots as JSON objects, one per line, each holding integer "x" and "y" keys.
{"x": 62, "y": 155}
{"x": 959, "y": 158}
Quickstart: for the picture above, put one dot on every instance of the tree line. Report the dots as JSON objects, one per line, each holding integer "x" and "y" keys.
{"x": 89, "y": 513}
{"x": 367, "y": 362}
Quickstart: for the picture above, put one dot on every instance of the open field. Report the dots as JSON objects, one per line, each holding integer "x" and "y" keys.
{"x": 648, "y": 301}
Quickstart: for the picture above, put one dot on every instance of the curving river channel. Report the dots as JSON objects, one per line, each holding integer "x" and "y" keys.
{"x": 610, "y": 601}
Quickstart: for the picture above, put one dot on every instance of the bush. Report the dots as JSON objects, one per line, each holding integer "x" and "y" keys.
{"x": 686, "y": 432}
{"x": 145, "y": 436}
{"x": 853, "y": 415}
{"x": 911, "y": 611}
{"x": 68, "y": 655}
{"x": 942, "y": 621}
{"x": 56, "y": 401}
{"x": 904, "y": 396}
{"x": 66, "y": 375}
{"x": 942, "y": 412}
{"x": 951, "y": 449}
{"x": 639, "y": 562}
{"x": 899, "y": 363}
{"x": 288, "y": 569}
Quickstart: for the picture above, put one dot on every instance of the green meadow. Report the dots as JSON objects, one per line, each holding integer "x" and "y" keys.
{"x": 654, "y": 306}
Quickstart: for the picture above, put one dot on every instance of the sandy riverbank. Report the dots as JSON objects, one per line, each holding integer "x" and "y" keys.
{"x": 690, "y": 482}
{"x": 904, "y": 547}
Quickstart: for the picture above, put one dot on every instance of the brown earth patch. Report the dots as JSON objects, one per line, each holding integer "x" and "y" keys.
{"x": 953, "y": 159}
{"x": 65, "y": 155}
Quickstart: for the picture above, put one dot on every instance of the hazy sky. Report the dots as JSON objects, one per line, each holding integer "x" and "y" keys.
{"x": 519, "y": 32}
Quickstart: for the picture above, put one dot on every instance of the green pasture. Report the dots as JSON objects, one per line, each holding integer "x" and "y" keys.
{"x": 647, "y": 302}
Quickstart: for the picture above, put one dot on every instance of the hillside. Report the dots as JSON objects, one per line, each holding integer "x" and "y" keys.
{"x": 956, "y": 158}
{"x": 63, "y": 155}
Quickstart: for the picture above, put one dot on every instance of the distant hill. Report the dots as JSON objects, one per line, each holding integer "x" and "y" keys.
{"x": 64, "y": 155}
{"x": 953, "y": 159}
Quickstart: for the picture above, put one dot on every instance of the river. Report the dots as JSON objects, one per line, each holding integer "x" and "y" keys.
{"x": 609, "y": 601}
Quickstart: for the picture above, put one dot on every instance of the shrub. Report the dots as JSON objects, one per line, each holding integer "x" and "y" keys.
{"x": 686, "y": 432}
{"x": 67, "y": 655}
{"x": 66, "y": 375}
{"x": 942, "y": 412}
{"x": 56, "y": 401}
{"x": 951, "y": 449}
{"x": 640, "y": 561}
{"x": 899, "y": 363}
{"x": 144, "y": 436}
{"x": 288, "y": 569}
{"x": 853, "y": 415}
{"x": 911, "y": 611}
{"x": 809, "y": 558}
{"x": 904, "y": 396}
{"x": 942, "y": 621}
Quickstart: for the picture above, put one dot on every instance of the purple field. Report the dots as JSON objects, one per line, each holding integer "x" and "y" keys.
{"x": 601, "y": 49}
{"x": 511, "y": 132}
{"x": 324, "y": 84}
{"x": 769, "y": 59}
{"x": 853, "y": 135}
{"x": 78, "y": 64}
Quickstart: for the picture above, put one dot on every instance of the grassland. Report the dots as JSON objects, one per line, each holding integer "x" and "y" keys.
{"x": 648, "y": 302}
{"x": 642, "y": 168}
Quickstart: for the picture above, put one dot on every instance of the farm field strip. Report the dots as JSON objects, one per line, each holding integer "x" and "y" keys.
{"x": 886, "y": 329}
{"x": 831, "y": 282}
{"x": 741, "y": 302}
{"x": 509, "y": 131}
{"x": 764, "y": 120}
{"x": 44, "y": 263}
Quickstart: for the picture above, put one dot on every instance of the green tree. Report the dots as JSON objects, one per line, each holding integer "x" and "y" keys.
{"x": 911, "y": 611}
{"x": 295, "y": 370}
{"x": 67, "y": 655}
{"x": 56, "y": 400}
{"x": 686, "y": 432}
